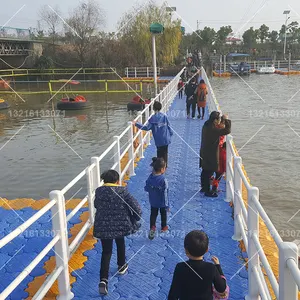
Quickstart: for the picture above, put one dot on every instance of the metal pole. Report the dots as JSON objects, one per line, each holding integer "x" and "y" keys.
{"x": 237, "y": 184}
{"x": 284, "y": 46}
{"x": 253, "y": 229}
{"x": 154, "y": 64}
{"x": 289, "y": 61}
{"x": 287, "y": 285}
{"x": 59, "y": 225}
{"x": 228, "y": 162}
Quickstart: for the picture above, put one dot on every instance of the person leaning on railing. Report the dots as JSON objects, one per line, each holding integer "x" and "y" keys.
{"x": 209, "y": 151}
{"x": 161, "y": 130}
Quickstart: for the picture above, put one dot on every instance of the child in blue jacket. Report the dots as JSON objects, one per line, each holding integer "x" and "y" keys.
{"x": 157, "y": 187}
{"x": 161, "y": 130}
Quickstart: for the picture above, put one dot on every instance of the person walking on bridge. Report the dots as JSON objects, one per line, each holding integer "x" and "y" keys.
{"x": 180, "y": 88}
{"x": 117, "y": 215}
{"x": 209, "y": 151}
{"x": 201, "y": 98}
{"x": 191, "y": 99}
{"x": 161, "y": 130}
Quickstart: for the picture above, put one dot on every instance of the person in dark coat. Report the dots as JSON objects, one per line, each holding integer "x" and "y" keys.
{"x": 209, "y": 152}
{"x": 191, "y": 99}
{"x": 117, "y": 216}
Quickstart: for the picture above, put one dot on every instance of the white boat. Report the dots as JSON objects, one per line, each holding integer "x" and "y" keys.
{"x": 269, "y": 69}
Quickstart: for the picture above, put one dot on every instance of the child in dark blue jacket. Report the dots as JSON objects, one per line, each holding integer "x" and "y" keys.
{"x": 157, "y": 187}
{"x": 161, "y": 130}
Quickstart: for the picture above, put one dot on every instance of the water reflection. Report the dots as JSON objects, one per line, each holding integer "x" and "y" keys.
{"x": 271, "y": 156}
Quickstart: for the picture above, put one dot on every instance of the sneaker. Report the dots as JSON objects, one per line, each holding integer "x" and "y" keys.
{"x": 122, "y": 270}
{"x": 199, "y": 116}
{"x": 103, "y": 287}
{"x": 188, "y": 116}
{"x": 193, "y": 118}
{"x": 211, "y": 194}
{"x": 151, "y": 233}
{"x": 165, "y": 229}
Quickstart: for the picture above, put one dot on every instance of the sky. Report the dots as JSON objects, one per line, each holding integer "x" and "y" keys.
{"x": 240, "y": 14}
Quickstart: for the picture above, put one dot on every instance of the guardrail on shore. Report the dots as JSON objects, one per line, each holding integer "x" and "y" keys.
{"x": 137, "y": 72}
{"x": 11, "y": 73}
{"x": 137, "y": 87}
{"x": 129, "y": 144}
{"x": 106, "y": 87}
{"x": 278, "y": 64}
{"x": 246, "y": 228}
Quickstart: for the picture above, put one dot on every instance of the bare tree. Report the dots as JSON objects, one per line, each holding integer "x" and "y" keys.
{"x": 50, "y": 17}
{"x": 83, "y": 26}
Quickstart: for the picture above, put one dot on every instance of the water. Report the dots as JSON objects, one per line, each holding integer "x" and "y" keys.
{"x": 47, "y": 153}
{"x": 266, "y": 127}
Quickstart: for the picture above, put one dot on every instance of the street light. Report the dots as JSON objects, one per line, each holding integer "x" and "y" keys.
{"x": 155, "y": 29}
{"x": 286, "y": 13}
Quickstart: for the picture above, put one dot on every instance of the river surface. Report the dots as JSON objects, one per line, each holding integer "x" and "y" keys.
{"x": 265, "y": 111}
{"x": 40, "y": 153}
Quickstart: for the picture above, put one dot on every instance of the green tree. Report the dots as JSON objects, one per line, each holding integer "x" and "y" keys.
{"x": 263, "y": 33}
{"x": 249, "y": 38}
{"x": 134, "y": 31}
{"x": 208, "y": 37}
{"x": 83, "y": 26}
{"x": 292, "y": 30}
{"x": 273, "y": 36}
{"x": 221, "y": 37}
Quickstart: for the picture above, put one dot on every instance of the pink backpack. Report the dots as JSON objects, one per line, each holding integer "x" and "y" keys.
{"x": 219, "y": 296}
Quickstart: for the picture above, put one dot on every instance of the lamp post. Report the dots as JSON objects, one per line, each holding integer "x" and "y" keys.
{"x": 286, "y": 13}
{"x": 155, "y": 29}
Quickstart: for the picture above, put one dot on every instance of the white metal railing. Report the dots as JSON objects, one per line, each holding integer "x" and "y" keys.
{"x": 246, "y": 228}
{"x": 138, "y": 72}
{"x": 57, "y": 204}
{"x": 278, "y": 64}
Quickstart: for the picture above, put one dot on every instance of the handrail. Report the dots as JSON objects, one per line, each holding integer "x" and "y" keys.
{"x": 8, "y": 238}
{"x": 57, "y": 204}
{"x": 246, "y": 228}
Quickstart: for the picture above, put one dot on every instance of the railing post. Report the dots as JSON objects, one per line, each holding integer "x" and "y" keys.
{"x": 253, "y": 256}
{"x": 287, "y": 286}
{"x": 91, "y": 193}
{"x": 229, "y": 178}
{"x": 141, "y": 142}
{"x": 97, "y": 174}
{"x": 59, "y": 225}
{"x": 147, "y": 116}
{"x": 131, "y": 150}
{"x": 237, "y": 191}
{"x": 117, "y": 156}
{"x": 147, "y": 72}
{"x": 135, "y": 75}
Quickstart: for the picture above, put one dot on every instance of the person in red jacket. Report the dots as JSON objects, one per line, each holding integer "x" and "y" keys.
{"x": 222, "y": 160}
{"x": 180, "y": 88}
